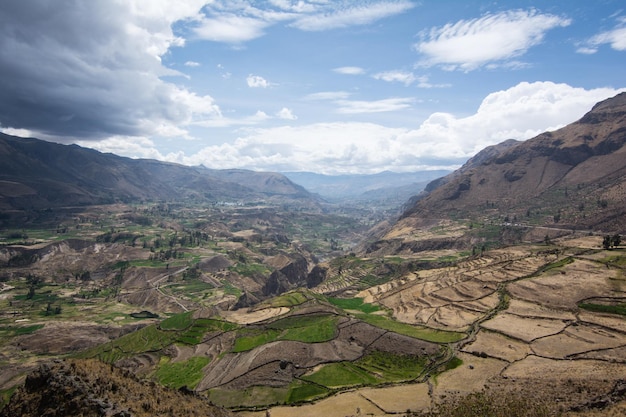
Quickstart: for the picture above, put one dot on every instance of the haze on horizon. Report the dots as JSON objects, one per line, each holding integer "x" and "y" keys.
{"x": 331, "y": 87}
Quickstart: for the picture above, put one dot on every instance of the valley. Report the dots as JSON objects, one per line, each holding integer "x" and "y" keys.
{"x": 501, "y": 286}
{"x": 181, "y": 296}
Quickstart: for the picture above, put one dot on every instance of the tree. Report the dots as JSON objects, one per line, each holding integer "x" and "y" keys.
{"x": 616, "y": 240}
{"x": 606, "y": 242}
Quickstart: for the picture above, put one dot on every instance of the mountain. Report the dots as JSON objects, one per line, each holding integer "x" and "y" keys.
{"x": 385, "y": 184}
{"x": 571, "y": 178}
{"x": 36, "y": 174}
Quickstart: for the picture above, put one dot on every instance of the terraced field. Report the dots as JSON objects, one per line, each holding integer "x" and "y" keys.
{"x": 533, "y": 326}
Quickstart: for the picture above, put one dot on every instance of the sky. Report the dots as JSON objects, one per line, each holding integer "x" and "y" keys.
{"x": 332, "y": 87}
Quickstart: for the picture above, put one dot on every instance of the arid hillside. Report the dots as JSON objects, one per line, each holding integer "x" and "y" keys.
{"x": 573, "y": 177}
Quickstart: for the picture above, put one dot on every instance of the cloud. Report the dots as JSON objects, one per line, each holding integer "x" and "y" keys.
{"x": 406, "y": 78}
{"x": 192, "y": 64}
{"x": 355, "y": 14}
{"x": 237, "y": 22}
{"x": 615, "y": 37}
{"x": 230, "y": 28}
{"x": 491, "y": 39}
{"x": 349, "y": 70}
{"x": 346, "y": 106}
{"x": 256, "y": 81}
{"x": 328, "y": 95}
{"x": 375, "y": 106}
{"x": 286, "y": 114}
{"x": 443, "y": 140}
{"x": 94, "y": 71}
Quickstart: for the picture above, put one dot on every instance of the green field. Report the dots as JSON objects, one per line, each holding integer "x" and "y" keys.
{"x": 307, "y": 329}
{"x": 181, "y": 374}
{"x": 418, "y": 332}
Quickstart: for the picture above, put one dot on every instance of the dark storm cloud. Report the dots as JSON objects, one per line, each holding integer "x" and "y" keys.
{"x": 88, "y": 69}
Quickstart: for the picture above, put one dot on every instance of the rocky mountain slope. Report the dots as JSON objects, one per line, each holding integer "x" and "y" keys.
{"x": 576, "y": 169}
{"x": 571, "y": 179}
{"x": 36, "y": 175}
{"x": 92, "y": 388}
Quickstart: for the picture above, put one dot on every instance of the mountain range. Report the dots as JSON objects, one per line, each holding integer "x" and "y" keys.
{"x": 37, "y": 175}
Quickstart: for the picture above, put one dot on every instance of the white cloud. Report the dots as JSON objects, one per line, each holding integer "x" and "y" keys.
{"x": 615, "y": 37}
{"x": 192, "y": 64}
{"x": 346, "y": 106}
{"x": 328, "y": 95}
{"x": 443, "y": 140}
{"x": 286, "y": 114}
{"x": 375, "y": 106}
{"x": 356, "y": 14}
{"x": 231, "y": 28}
{"x": 493, "y": 38}
{"x": 406, "y": 78}
{"x": 349, "y": 70}
{"x": 241, "y": 21}
{"x": 256, "y": 81}
{"x": 256, "y": 118}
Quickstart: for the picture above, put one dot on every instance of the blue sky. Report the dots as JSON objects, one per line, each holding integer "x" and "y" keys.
{"x": 324, "y": 86}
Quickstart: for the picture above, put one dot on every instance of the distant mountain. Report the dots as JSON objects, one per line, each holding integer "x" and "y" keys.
{"x": 36, "y": 174}
{"x": 572, "y": 178}
{"x": 383, "y": 185}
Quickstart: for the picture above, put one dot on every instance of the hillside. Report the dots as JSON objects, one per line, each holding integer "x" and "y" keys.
{"x": 38, "y": 175}
{"x": 92, "y": 388}
{"x": 571, "y": 179}
{"x": 570, "y": 169}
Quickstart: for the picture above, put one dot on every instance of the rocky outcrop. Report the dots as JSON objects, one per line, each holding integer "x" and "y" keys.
{"x": 92, "y": 388}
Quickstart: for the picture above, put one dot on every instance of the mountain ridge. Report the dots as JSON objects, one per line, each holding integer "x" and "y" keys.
{"x": 37, "y": 175}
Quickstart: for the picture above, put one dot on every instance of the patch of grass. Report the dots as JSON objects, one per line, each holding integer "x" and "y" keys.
{"x": 605, "y": 308}
{"x": 248, "y": 340}
{"x": 320, "y": 330}
{"x": 302, "y": 391}
{"x": 5, "y": 396}
{"x": 307, "y": 329}
{"x": 353, "y": 304}
{"x": 453, "y": 363}
{"x": 290, "y": 299}
{"x": 558, "y": 264}
{"x": 418, "y": 332}
{"x": 177, "y": 322}
{"x": 393, "y": 367}
{"x": 180, "y": 374}
{"x": 193, "y": 334}
{"x": 11, "y": 331}
{"x": 341, "y": 374}
{"x": 147, "y": 339}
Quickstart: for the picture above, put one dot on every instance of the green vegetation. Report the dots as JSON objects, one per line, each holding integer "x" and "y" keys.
{"x": 177, "y": 321}
{"x": 307, "y": 329}
{"x": 391, "y": 367}
{"x": 418, "y": 332}
{"x": 354, "y": 304}
{"x": 148, "y": 339}
{"x": 289, "y": 299}
{"x": 181, "y": 374}
{"x": 618, "y": 308}
{"x": 558, "y": 264}
{"x": 300, "y": 391}
{"x": 248, "y": 339}
{"x": 375, "y": 368}
{"x": 11, "y": 331}
{"x": 341, "y": 374}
